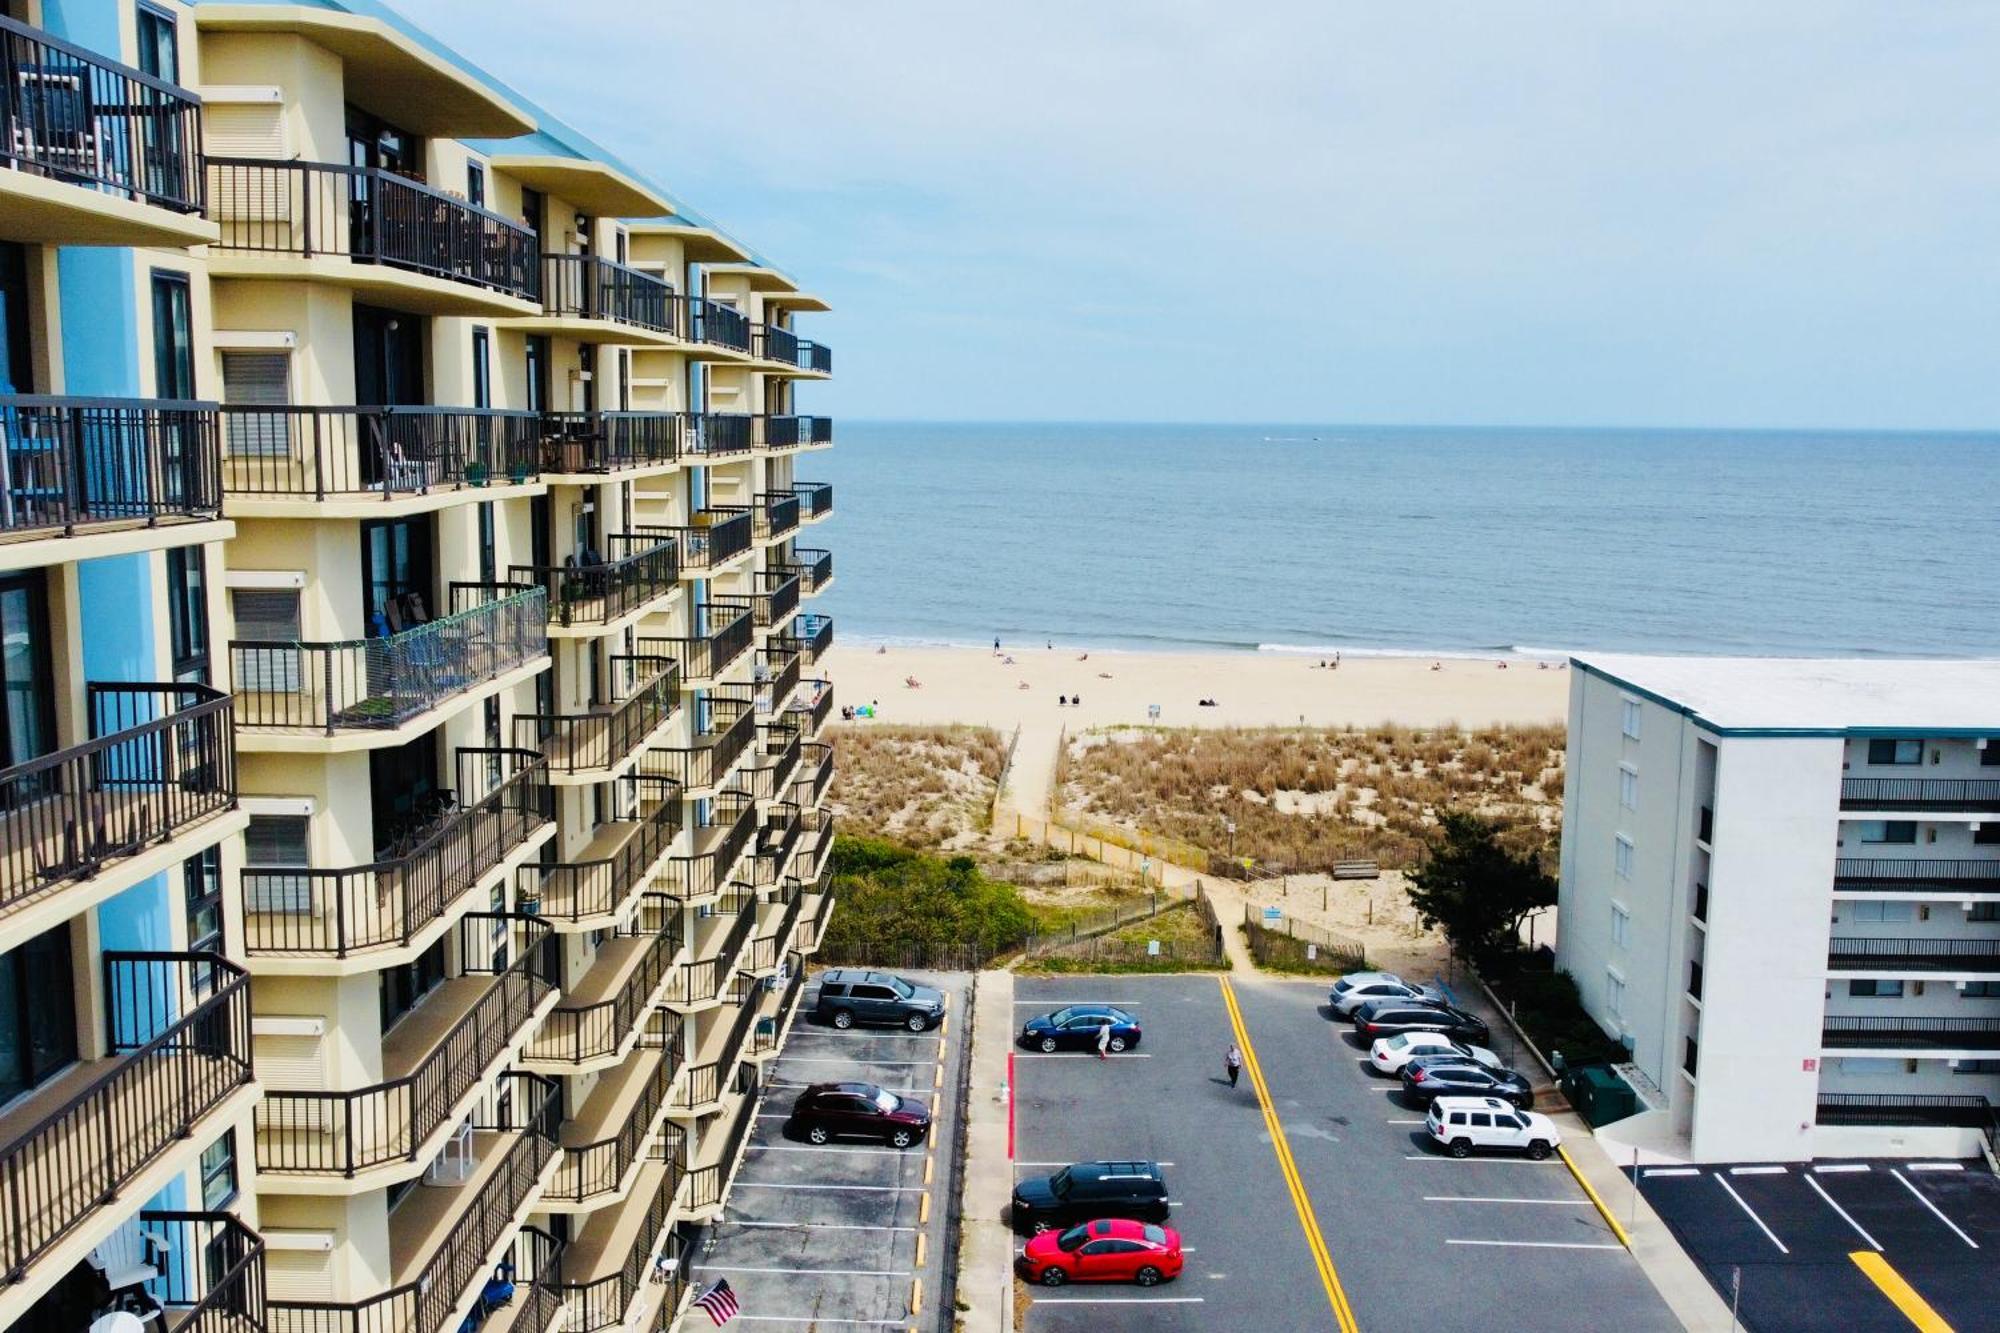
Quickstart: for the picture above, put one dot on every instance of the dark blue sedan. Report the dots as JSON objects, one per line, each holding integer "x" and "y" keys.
{"x": 1076, "y": 1028}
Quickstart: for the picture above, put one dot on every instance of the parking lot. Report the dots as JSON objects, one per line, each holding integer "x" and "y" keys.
{"x": 1792, "y": 1232}
{"x": 1415, "y": 1238}
{"x": 852, "y": 1234}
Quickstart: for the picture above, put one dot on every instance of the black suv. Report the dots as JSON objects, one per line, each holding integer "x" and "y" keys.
{"x": 848, "y": 996}
{"x": 1385, "y": 1018}
{"x": 1441, "y": 1076}
{"x": 1087, "y": 1191}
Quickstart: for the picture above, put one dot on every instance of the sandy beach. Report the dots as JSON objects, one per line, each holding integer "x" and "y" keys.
{"x": 1250, "y": 689}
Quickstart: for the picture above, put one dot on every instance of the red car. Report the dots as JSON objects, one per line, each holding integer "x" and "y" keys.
{"x": 1113, "y": 1250}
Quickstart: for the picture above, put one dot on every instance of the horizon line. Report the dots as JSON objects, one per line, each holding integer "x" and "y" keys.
{"x": 1975, "y": 431}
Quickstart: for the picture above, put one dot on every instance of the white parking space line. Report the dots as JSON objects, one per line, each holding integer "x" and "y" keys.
{"x": 1055, "y": 1164}
{"x": 1752, "y": 1213}
{"x": 1081, "y": 1055}
{"x": 1934, "y": 1208}
{"x": 900, "y": 1092}
{"x": 1480, "y": 1161}
{"x": 1404, "y": 1122}
{"x": 814, "y": 1321}
{"x": 1839, "y": 1168}
{"x": 809, "y": 1272}
{"x": 816, "y": 1226}
{"x": 1858, "y": 1228}
{"x": 846, "y": 1060}
{"x": 828, "y": 1147}
{"x": 1756, "y": 1170}
{"x": 851, "y": 1034}
{"x": 1652, "y": 1171}
{"x": 1538, "y": 1244}
{"x": 1484, "y": 1198}
{"x": 1935, "y": 1166}
{"x": 1120, "y": 1300}
{"x": 835, "y": 1189}
{"x": 1053, "y": 1005}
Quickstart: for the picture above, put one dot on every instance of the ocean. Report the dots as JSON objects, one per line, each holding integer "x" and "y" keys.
{"x": 1414, "y": 540}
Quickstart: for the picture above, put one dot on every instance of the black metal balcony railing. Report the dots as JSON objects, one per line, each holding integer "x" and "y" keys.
{"x": 605, "y": 737}
{"x": 603, "y": 1302}
{"x": 815, "y": 846}
{"x": 575, "y": 442}
{"x": 776, "y": 515}
{"x": 303, "y": 911}
{"x": 1969, "y": 1034}
{"x": 814, "y": 566}
{"x": 705, "y": 1082}
{"x": 779, "y": 750}
{"x": 533, "y": 1113}
{"x": 705, "y": 1182}
{"x": 579, "y": 1033}
{"x": 776, "y": 841}
{"x": 816, "y": 357}
{"x": 723, "y": 434}
{"x": 74, "y": 116}
{"x": 588, "y": 287}
{"x": 537, "y": 1257}
{"x": 723, "y": 633}
{"x": 74, "y": 462}
{"x": 700, "y": 980}
{"x": 815, "y": 773}
{"x": 593, "y": 1170}
{"x": 638, "y": 568}
{"x": 765, "y": 1040}
{"x": 815, "y": 705}
{"x": 216, "y": 1284}
{"x": 577, "y": 890}
{"x": 162, "y": 759}
{"x": 821, "y": 915}
{"x": 729, "y": 729}
{"x": 700, "y": 874}
{"x": 815, "y": 499}
{"x": 1913, "y": 955}
{"x": 381, "y": 683}
{"x": 719, "y": 325}
{"x": 341, "y": 1133}
{"x": 369, "y": 215}
{"x": 1953, "y": 794}
{"x": 716, "y": 537}
{"x": 179, "y": 1035}
{"x": 778, "y": 676}
{"x": 1868, "y": 1108}
{"x": 777, "y": 597}
{"x": 811, "y": 635}
{"x": 382, "y": 453}
{"x": 777, "y": 344}
{"x": 794, "y": 432}
{"x": 1914, "y": 874}
{"x": 765, "y": 950}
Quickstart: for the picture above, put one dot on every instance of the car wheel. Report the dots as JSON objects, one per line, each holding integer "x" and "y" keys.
{"x": 1053, "y": 1276}
{"x": 1538, "y": 1150}
{"x": 916, "y": 1023}
{"x": 902, "y": 1138}
{"x": 1147, "y": 1276}
{"x": 819, "y": 1134}
{"x": 1461, "y": 1147}
{"x": 1117, "y": 1043}
{"x": 843, "y": 1019}
{"x": 1041, "y": 1226}
{"x": 1048, "y": 1044}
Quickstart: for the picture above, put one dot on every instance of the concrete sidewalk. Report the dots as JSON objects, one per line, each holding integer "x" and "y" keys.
{"x": 986, "y": 1245}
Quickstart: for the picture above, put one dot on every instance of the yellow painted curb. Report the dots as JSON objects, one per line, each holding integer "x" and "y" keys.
{"x": 1900, "y": 1293}
{"x": 921, "y": 1238}
{"x": 916, "y": 1295}
{"x": 929, "y": 1162}
{"x": 1602, "y": 1211}
{"x": 923, "y": 1209}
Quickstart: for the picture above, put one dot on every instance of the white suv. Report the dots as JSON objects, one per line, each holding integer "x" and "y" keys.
{"x": 1461, "y": 1124}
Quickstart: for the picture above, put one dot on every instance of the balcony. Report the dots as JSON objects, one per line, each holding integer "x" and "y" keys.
{"x": 777, "y": 762}
{"x": 775, "y": 516}
{"x": 774, "y": 935}
{"x": 592, "y": 747}
{"x": 96, "y": 152}
{"x": 724, "y": 737}
{"x": 434, "y": 1058}
{"x": 595, "y": 300}
{"x": 1867, "y": 874}
{"x": 783, "y": 347}
{"x": 776, "y": 1010}
{"x": 814, "y": 934}
{"x": 1942, "y": 795}
{"x": 610, "y": 1257}
{"x": 815, "y": 774}
{"x": 1913, "y": 955}
{"x": 226, "y": 1289}
{"x": 123, "y": 474}
{"x": 83, "y": 823}
{"x": 722, "y": 635}
{"x": 592, "y": 593}
{"x": 815, "y": 849}
{"x": 712, "y": 1064}
{"x": 717, "y": 1155}
{"x": 280, "y": 459}
{"x": 718, "y": 943}
{"x": 718, "y": 325}
{"x": 814, "y": 706}
{"x": 312, "y": 915}
{"x": 780, "y": 836}
{"x": 811, "y": 635}
{"x": 815, "y": 500}
{"x": 179, "y": 1055}
{"x": 598, "y": 1019}
{"x": 378, "y": 687}
{"x": 599, "y": 443}
{"x": 592, "y": 891}
{"x": 1914, "y": 1034}
{"x": 443, "y": 1237}
{"x": 1694, "y": 979}
{"x": 537, "y": 1302}
{"x": 776, "y": 598}
{"x": 721, "y": 437}
{"x": 387, "y": 236}
{"x": 790, "y": 432}
{"x": 777, "y": 680}
{"x": 1937, "y": 1109}
{"x": 719, "y": 839}
{"x": 606, "y": 1140}
{"x": 814, "y": 568}
{"x": 712, "y": 541}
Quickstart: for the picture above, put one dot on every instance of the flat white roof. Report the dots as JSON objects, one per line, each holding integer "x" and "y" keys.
{"x": 1816, "y": 694}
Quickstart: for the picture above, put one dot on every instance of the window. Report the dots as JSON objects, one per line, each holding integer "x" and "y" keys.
{"x": 396, "y": 573}
{"x": 401, "y": 987}
{"x": 187, "y": 612}
{"x": 1986, "y": 835}
{"x": 1893, "y": 751}
{"x": 1631, "y": 720}
{"x": 1621, "y": 927}
{"x": 1865, "y": 1064}
{"x": 277, "y": 842}
{"x": 1628, "y": 787}
{"x": 1623, "y": 857}
{"x": 475, "y": 184}
{"x": 267, "y": 630}
{"x": 263, "y": 381}
{"x": 1614, "y": 994}
{"x": 1875, "y": 990}
{"x": 1983, "y": 912}
{"x": 489, "y": 559}
{"x": 37, "y": 1012}
{"x": 1888, "y": 830}
{"x": 482, "y": 367}
{"x": 201, "y": 882}
{"x": 1981, "y": 990}
{"x": 536, "y": 353}
{"x": 218, "y": 1171}
{"x": 28, "y": 722}
{"x": 1989, "y": 752}
{"x": 159, "y": 45}
{"x": 1879, "y": 913}
{"x": 1976, "y": 1067}
{"x": 173, "y": 336}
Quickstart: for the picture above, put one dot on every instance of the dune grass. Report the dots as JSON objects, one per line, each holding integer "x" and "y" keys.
{"x": 926, "y": 787}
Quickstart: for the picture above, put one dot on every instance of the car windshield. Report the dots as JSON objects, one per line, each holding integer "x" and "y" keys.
{"x": 902, "y": 988}
{"x": 885, "y": 1101}
{"x": 1059, "y": 1183}
{"x": 1074, "y": 1237}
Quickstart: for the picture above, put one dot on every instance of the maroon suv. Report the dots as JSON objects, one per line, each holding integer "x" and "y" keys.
{"x": 827, "y": 1111}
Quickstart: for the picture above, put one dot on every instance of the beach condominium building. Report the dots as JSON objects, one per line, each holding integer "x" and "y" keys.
{"x": 412, "y": 696}
{"x": 1781, "y": 889}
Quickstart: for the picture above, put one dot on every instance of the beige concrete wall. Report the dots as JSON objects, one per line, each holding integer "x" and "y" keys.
{"x": 310, "y": 79}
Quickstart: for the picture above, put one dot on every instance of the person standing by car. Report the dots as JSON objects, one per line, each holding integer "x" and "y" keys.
{"x": 1233, "y": 1063}
{"x": 1104, "y": 1040}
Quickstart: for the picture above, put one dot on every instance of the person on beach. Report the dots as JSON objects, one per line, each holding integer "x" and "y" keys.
{"x": 912, "y": 683}
{"x": 1232, "y": 1063}
{"x": 1076, "y": 700}
{"x": 1062, "y": 700}
{"x": 1103, "y": 1041}
{"x": 996, "y": 643}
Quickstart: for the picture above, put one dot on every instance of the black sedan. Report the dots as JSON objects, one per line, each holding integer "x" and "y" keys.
{"x": 1385, "y": 1018}
{"x": 1440, "y": 1076}
{"x": 1076, "y": 1029}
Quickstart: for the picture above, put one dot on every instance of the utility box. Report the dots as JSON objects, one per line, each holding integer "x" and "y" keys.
{"x": 1598, "y": 1094}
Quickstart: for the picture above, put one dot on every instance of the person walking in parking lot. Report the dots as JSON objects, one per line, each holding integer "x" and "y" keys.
{"x": 1233, "y": 1063}
{"x": 1103, "y": 1039}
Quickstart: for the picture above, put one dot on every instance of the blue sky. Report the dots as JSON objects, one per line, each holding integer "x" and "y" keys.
{"x": 1314, "y": 210}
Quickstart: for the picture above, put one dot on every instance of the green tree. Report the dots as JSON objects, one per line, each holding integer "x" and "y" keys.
{"x": 1476, "y": 891}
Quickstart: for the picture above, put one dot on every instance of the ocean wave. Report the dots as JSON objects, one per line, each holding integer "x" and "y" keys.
{"x": 1479, "y": 651}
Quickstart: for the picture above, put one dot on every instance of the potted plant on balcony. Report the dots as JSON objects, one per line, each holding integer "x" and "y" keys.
{"x": 475, "y": 472}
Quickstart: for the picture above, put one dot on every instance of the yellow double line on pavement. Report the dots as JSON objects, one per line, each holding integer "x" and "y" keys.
{"x": 1336, "y": 1297}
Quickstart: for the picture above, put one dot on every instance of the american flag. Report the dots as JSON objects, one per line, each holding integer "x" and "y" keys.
{"x": 719, "y": 1301}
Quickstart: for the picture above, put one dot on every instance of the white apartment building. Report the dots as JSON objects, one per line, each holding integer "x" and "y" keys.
{"x": 1781, "y": 889}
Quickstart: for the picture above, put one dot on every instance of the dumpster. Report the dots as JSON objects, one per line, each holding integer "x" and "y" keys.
{"x": 1598, "y": 1094}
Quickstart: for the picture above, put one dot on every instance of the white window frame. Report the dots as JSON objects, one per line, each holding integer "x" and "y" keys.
{"x": 1621, "y": 856}
{"x": 1621, "y": 926}
{"x": 1629, "y": 718}
{"x": 1614, "y": 993}
{"x": 1628, "y": 786}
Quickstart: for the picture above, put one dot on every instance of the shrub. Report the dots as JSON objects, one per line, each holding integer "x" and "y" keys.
{"x": 895, "y": 901}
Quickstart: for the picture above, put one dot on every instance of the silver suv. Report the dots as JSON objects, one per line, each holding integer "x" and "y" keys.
{"x": 848, "y": 996}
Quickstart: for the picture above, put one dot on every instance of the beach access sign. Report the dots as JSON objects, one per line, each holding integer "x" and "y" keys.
{"x": 1273, "y": 917}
